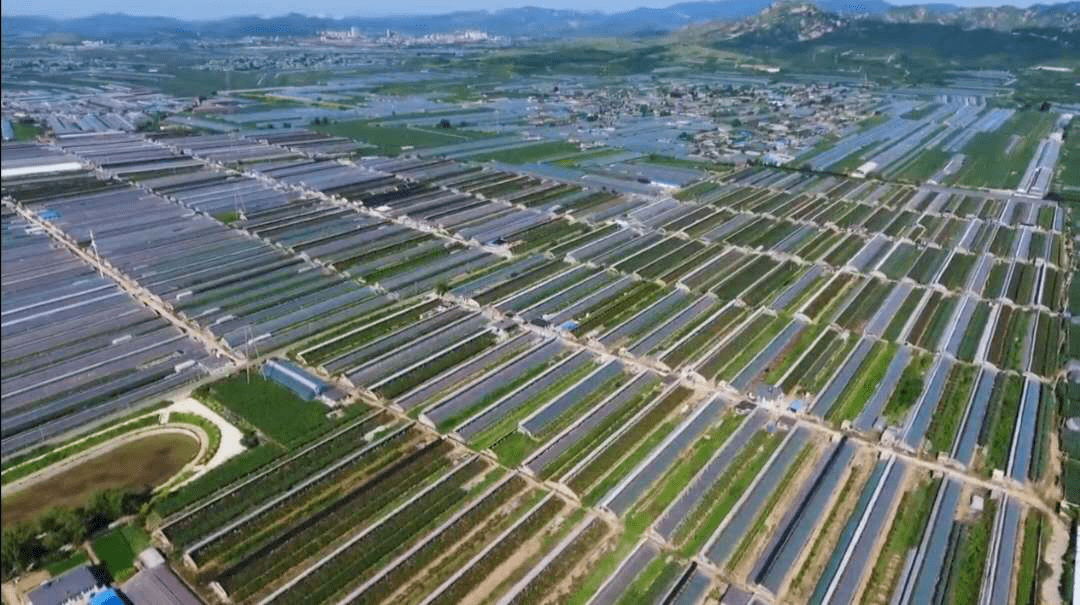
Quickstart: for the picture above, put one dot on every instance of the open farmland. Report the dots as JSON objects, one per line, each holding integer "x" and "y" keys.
{"x": 538, "y": 389}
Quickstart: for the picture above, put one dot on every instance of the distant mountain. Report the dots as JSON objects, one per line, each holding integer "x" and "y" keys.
{"x": 1002, "y": 18}
{"x": 782, "y": 22}
{"x": 534, "y": 22}
{"x": 802, "y": 36}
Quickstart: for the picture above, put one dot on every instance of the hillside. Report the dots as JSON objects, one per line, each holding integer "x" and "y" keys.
{"x": 533, "y": 22}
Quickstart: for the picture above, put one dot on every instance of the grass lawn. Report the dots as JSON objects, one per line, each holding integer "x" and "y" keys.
{"x": 118, "y": 548}
{"x": 148, "y": 461}
{"x": 924, "y": 166}
{"x": 25, "y": 131}
{"x": 988, "y": 165}
{"x": 1067, "y": 174}
{"x": 527, "y": 154}
{"x": 273, "y": 409}
{"x": 921, "y": 112}
{"x": 389, "y": 140}
{"x": 76, "y": 559}
{"x": 1070, "y": 479}
{"x": 513, "y": 448}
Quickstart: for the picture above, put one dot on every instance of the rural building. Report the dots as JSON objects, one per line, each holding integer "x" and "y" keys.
{"x": 74, "y": 587}
{"x": 109, "y": 596}
{"x": 293, "y": 378}
{"x": 156, "y": 584}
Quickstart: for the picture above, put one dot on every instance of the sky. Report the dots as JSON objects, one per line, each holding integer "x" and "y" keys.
{"x": 213, "y": 9}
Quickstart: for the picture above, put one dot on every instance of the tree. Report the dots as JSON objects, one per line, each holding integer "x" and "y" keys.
{"x": 103, "y": 508}
{"x": 61, "y": 526}
{"x": 250, "y": 439}
{"x": 20, "y": 549}
{"x": 444, "y": 123}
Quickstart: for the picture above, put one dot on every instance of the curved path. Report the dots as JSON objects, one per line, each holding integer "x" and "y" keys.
{"x": 63, "y": 465}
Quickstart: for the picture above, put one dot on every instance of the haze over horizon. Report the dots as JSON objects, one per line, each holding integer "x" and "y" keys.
{"x": 212, "y": 9}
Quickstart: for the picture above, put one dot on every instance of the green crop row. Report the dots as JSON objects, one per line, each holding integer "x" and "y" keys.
{"x": 499, "y": 553}
{"x": 599, "y": 433}
{"x": 361, "y": 558}
{"x": 433, "y": 367}
{"x": 725, "y": 491}
{"x": 951, "y": 407}
{"x": 664, "y": 491}
{"x": 570, "y": 560}
{"x": 905, "y": 533}
{"x": 865, "y": 383}
{"x": 282, "y": 477}
{"x": 259, "y": 561}
{"x": 966, "y": 570}
{"x": 436, "y": 545}
{"x": 909, "y": 388}
{"x": 638, "y": 440}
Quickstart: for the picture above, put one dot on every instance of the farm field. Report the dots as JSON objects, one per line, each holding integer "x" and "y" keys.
{"x": 451, "y": 366}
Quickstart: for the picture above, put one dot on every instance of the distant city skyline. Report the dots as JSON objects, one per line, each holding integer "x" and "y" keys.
{"x": 214, "y": 9}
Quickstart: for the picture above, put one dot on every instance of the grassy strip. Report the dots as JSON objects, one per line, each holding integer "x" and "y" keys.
{"x": 759, "y": 523}
{"x": 751, "y": 349}
{"x": 1005, "y": 404}
{"x": 37, "y": 464}
{"x": 713, "y": 365}
{"x": 672, "y": 483}
{"x": 789, "y": 356}
{"x": 514, "y": 447}
{"x": 505, "y": 425}
{"x": 949, "y": 411}
{"x": 495, "y": 395}
{"x": 38, "y": 458}
{"x": 433, "y": 367}
{"x": 827, "y": 527}
{"x": 866, "y": 381}
{"x": 903, "y": 314}
{"x": 526, "y": 154}
{"x": 599, "y": 433}
{"x": 217, "y": 478}
{"x": 1044, "y": 426}
{"x": 581, "y": 406}
{"x": 603, "y": 568}
{"x": 385, "y": 324}
{"x": 571, "y": 560}
{"x": 821, "y": 369}
{"x": 643, "y": 436}
{"x": 973, "y": 334}
{"x": 499, "y": 553}
{"x": 988, "y": 165}
{"x": 705, "y": 337}
{"x": 622, "y": 306}
{"x": 213, "y": 433}
{"x": 654, "y": 578}
{"x": 965, "y": 577}
{"x": 904, "y": 534}
{"x": 1027, "y": 589}
{"x": 725, "y": 492}
{"x": 909, "y": 388}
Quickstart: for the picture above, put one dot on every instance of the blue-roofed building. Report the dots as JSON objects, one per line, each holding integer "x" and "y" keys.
{"x": 74, "y": 586}
{"x": 109, "y": 596}
{"x": 294, "y": 378}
